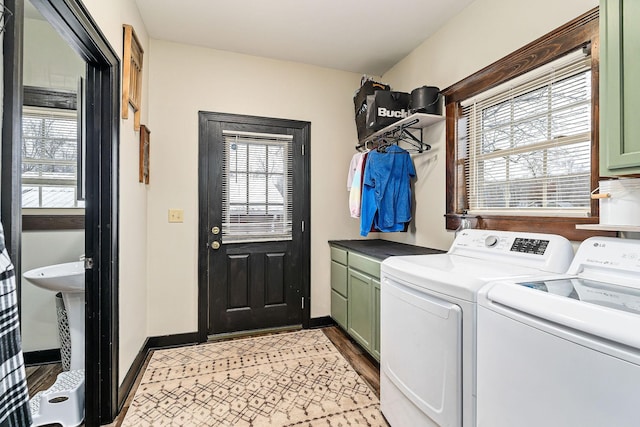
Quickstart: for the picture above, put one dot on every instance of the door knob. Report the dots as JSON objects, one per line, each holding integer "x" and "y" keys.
{"x": 215, "y": 245}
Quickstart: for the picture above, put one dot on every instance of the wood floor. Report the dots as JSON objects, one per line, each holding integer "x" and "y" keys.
{"x": 43, "y": 376}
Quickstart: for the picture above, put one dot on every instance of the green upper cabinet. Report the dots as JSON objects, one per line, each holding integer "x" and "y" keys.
{"x": 619, "y": 87}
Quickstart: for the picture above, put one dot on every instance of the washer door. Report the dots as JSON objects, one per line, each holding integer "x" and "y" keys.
{"x": 421, "y": 342}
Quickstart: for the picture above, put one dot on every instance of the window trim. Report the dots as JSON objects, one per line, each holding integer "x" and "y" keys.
{"x": 577, "y": 33}
{"x": 52, "y": 222}
{"x": 43, "y": 97}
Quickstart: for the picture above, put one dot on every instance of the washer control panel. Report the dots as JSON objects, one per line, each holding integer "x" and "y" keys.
{"x": 529, "y": 246}
{"x": 548, "y": 252}
{"x": 608, "y": 256}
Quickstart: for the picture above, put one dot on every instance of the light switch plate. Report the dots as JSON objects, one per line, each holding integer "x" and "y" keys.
{"x": 176, "y": 215}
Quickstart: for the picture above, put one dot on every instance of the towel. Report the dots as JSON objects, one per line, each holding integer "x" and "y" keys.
{"x": 14, "y": 396}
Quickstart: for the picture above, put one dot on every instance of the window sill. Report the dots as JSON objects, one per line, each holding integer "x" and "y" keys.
{"x": 563, "y": 226}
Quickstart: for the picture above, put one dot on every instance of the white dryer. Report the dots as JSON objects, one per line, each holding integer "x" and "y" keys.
{"x": 427, "y": 320}
{"x": 564, "y": 350}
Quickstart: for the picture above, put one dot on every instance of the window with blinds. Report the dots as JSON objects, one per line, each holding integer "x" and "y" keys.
{"x": 257, "y": 190}
{"x": 49, "y": 158}
{"x": 525, "y": 146}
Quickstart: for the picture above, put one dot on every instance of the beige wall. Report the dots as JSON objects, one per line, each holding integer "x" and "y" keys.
{"x": 188, "y": 79}
{"x": 484, "y": 32}
{"x": 110, "y": 15}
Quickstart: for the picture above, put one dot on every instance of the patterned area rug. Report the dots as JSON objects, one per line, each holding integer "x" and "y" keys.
{"x": 289, "y": 379}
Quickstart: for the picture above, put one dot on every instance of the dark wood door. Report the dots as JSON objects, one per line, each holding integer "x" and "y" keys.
{"x": 253, "y": 215}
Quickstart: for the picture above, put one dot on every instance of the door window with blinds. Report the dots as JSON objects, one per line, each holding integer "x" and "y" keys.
{"x": 524, "y": 147}
{"x": 50, "y": 158}
{"x": 257, "y": 194}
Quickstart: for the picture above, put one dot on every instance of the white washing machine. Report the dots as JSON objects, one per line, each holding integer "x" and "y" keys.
{"x": 564, "y": 351}
{"x": 427, "y": 320}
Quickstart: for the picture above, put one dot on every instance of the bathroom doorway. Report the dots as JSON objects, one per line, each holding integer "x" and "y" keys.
{"x": 52, "y": 198}
{"x": 71, "y": 21}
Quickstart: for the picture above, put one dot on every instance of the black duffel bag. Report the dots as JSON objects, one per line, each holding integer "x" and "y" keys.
{"x": 368, "y": 88}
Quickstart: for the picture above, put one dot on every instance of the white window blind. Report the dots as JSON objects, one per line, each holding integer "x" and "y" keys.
{"x": 49, "y": 158}
{"x": 257, "y": 190}
{"x": 525, "y": 146}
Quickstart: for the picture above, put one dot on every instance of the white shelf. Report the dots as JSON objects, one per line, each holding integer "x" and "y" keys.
{"x": 607, "y": 227}
{"x": 423, "y": 121}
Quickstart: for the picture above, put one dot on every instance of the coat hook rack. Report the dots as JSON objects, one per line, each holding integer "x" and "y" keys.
{"x": 403, "y": 131}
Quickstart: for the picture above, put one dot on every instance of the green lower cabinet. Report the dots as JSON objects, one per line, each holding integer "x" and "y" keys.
{"x": 355, "y": 297}
{"x": 339, "y": 309}
{"x": 375, "y": 348}
{"x": 360, "y": 308}
{"x": 339, "y": 290}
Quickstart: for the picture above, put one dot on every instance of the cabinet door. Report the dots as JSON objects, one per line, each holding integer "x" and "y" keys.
{"x": 375, "y": 348}
{"x": 360, "y": 308}
{"x": 619, "y": 87}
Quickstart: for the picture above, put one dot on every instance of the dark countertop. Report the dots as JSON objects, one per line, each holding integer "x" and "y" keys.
{"x": 382, "y": 249}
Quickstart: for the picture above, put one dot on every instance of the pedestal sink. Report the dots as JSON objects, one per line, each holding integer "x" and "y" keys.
{"x": 67, "y": 278}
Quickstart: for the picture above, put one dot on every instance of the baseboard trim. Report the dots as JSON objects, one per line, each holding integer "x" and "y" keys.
{"x": 167, "y": 341}
{"x": 41, "y": 357}
{"x": 132, "y": 374}
{"x": 321, "y": 322}
{"x": 151, "y": 343}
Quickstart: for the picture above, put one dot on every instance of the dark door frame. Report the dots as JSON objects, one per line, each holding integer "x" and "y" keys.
{"x": 74, "y": 23}
{"x": 203, "y": 226}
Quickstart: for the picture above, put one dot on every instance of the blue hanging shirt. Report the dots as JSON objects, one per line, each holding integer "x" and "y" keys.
{"x": 386, "y": 190}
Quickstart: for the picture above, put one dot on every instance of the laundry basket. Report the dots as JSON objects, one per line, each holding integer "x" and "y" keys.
{"x": 63, "y": 333}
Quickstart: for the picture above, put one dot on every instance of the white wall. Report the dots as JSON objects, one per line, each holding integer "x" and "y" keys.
{"x": 39, "y": 249}
{"x": 484, "y": 32}
{"x": 48, "y": 62}
{"x": 110, "y": 15}
{"x": 187, "y": 79}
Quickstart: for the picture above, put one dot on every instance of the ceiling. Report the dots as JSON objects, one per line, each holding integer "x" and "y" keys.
{"x": 362, "y": 36}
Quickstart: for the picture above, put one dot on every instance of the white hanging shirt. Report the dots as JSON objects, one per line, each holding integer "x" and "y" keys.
{"x": 352, "y": 169}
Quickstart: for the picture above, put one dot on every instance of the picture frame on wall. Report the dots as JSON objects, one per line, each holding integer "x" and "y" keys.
{"x": 132, "y": 60}
{"x": 143, "y": 175}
